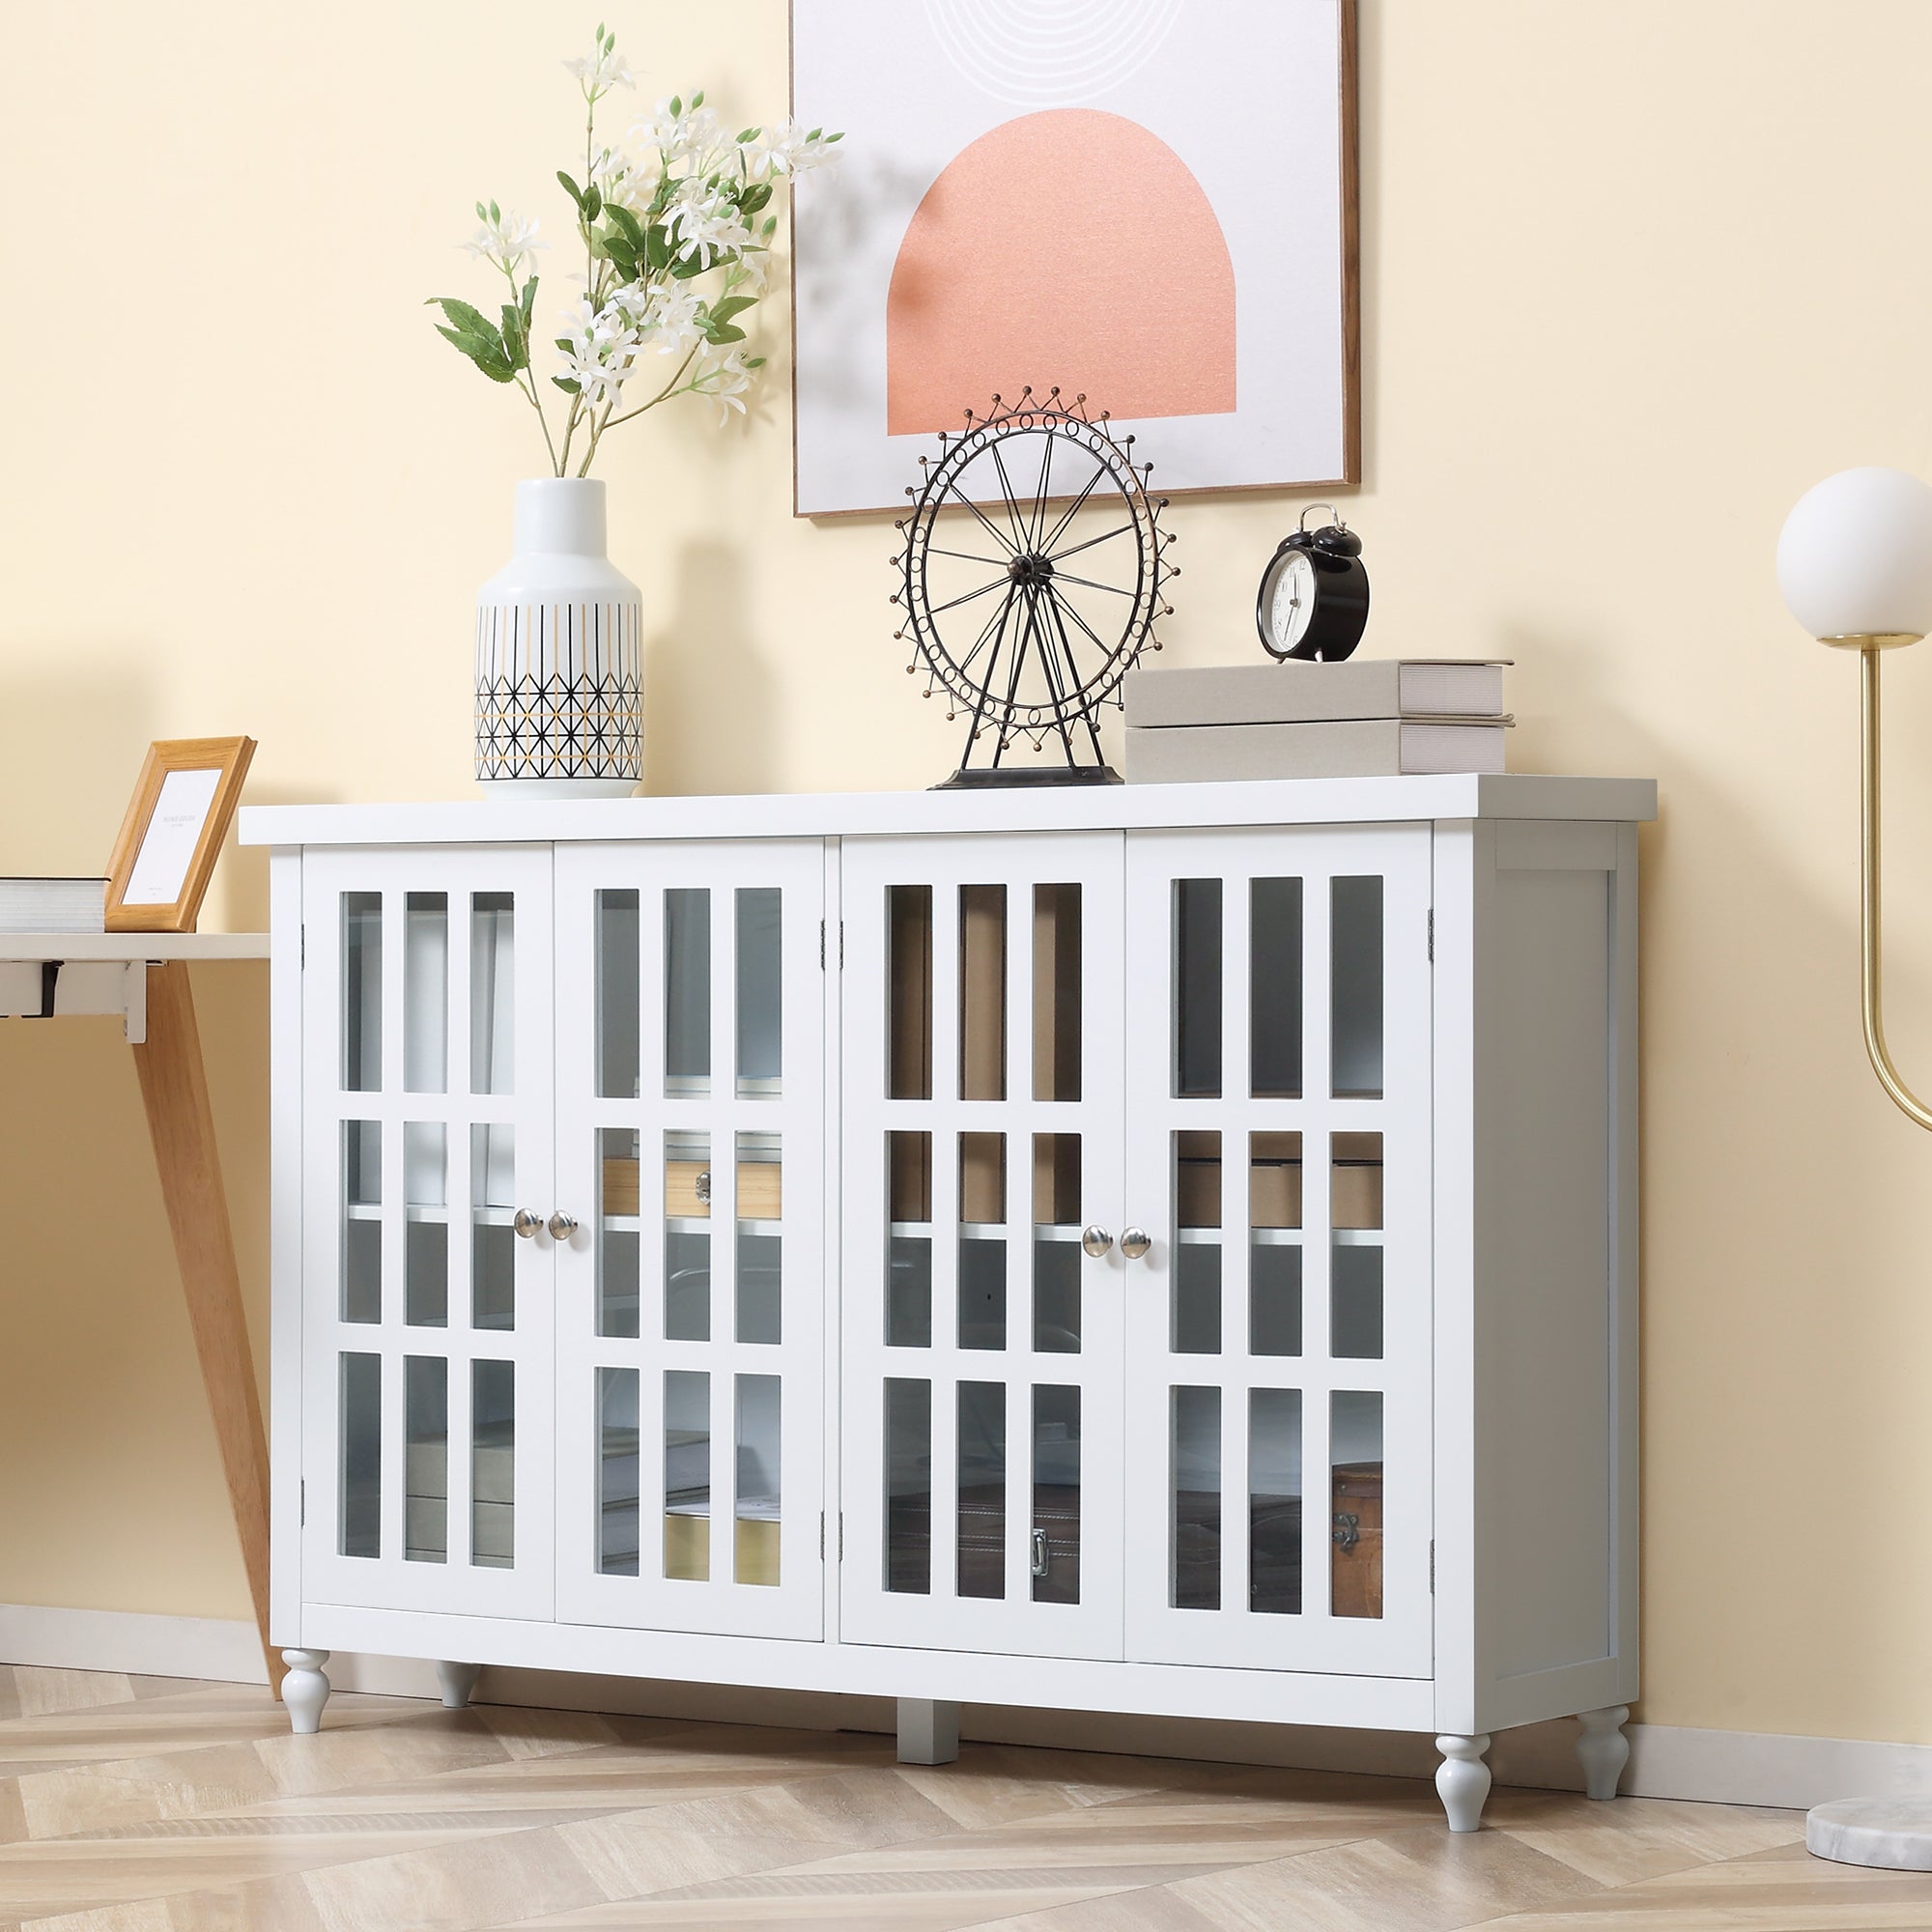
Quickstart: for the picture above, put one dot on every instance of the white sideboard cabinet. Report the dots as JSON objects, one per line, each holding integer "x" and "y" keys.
{"x": 1163, "y": 1249}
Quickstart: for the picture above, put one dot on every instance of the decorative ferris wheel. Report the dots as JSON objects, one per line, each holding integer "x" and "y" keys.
{"x": 1031, "y": 598}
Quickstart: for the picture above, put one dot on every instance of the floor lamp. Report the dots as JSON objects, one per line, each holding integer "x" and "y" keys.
{"x": 1855, "y": 564}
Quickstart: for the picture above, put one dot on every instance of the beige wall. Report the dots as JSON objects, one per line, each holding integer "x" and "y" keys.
{"x": 1633, "y": 278}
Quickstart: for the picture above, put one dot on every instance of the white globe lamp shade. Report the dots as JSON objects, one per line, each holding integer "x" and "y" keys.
{"x": 1855, "y": 556}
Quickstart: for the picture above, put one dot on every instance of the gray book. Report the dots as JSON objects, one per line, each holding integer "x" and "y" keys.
{"x": 1287, "y": 694}
{"x": 53, "y": 905}
{"x": 1355, "y": 748}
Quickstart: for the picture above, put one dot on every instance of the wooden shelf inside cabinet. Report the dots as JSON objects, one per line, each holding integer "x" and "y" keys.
{"x": 142, "y": 980}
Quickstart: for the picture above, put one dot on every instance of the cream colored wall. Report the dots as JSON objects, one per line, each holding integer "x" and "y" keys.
{"x": 1633, "y": 278}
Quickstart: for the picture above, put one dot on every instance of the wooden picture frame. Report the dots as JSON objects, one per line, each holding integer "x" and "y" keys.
{"x": 918, "y": 95}
{"x": 190, "y": 786}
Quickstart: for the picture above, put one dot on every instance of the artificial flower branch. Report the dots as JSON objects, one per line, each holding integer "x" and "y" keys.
{"x": 656, "y": 225}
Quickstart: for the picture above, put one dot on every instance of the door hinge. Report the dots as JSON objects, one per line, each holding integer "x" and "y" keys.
{"x": 821, "y": 1536}
{"x": 841, "y": 945}
{"x": 1432, "y": 935}
{"x": 822, "y": 947}
{"x": 841, "y": 1536}
{"x": 1431, "y": 1566}
{"x": 841, "y": 1557}
{"x": 302, "y": 942}
{"x": 302, "y": 1505}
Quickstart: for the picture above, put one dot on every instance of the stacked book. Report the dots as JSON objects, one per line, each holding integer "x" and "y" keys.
{"x": 53, "y": 905}
{"x": 1366, "y": 718}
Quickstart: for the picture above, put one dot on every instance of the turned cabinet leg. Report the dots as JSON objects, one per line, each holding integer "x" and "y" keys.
{"x": 928, "y": 1731}
{"x": 1463, "y": 1781}
{"x": 458, "y": 1681}
{"x": 1602, "y": 1749}
{"x": 305, "y": 1689}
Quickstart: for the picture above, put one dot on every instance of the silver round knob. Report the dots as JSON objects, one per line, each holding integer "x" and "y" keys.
{"x": 1135, "y": 1242}
{"x": 1096, "y": 1241}
{"x": 561, "y": 1226}
{"x": 526, "y": 1223}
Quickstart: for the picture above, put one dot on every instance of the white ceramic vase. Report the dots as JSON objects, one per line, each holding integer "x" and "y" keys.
{"x": 559, "y": 668}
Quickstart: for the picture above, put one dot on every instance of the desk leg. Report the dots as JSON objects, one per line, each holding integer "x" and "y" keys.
{"x": 180, "y": 1123}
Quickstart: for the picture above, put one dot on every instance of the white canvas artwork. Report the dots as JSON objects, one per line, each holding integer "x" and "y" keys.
{"x": 1146, "y": 201}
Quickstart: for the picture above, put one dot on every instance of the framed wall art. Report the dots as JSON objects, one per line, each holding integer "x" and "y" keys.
{"x": 172, "y": 835}
{"x": 1147, "y": 202}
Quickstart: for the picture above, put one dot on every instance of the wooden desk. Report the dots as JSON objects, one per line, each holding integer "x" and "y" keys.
{"x": 143, "y": 977}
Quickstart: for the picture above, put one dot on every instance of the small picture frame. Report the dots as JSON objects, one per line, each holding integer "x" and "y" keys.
{"x": 176, "y": 821}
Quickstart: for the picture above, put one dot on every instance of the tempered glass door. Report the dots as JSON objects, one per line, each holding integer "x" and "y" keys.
{"x": 981, "y": 1342}
{"x": 426, "y": 1129}
{"x": 691, "y": 1108}
{"x": 1278, "y": 1323}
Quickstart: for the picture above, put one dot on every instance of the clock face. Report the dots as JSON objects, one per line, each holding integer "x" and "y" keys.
{"x": 1292, "y": 605}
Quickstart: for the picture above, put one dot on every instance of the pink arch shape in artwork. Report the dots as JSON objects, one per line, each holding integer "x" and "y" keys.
{"x": 1069, "y": 246}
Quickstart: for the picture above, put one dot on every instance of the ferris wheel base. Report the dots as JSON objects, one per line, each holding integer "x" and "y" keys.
{"x": 999, "y": 777}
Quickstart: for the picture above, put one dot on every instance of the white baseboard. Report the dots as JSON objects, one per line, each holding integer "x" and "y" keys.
{"x": 1666, "y": 1761}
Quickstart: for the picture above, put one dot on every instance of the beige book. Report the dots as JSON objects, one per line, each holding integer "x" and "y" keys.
{"x": 1339, "y": 749}
{"x": 1292, "y": 692}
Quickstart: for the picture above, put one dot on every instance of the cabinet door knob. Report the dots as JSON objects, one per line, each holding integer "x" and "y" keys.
{"x": 561, "y": 1226}
{"x": 1135, "y": 1242}
{"x": 526, "y": 1223}
{"x": 1096, "y": 1241}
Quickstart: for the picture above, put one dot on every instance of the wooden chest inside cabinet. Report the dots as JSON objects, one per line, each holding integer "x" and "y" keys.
{"x": 1165, "y": 1250}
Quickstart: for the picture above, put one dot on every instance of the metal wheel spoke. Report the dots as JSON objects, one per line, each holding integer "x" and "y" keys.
{"x": 953, "y": 489}
{"x": 1067, "y": 576}
{"x": 933, "y": 610}
{"x": 967, "y": 557}
{"x": 1105, "y": 650}
{"x": 1042, "y": 493}
{"x": 996, "y": 620}
{"x": 1012, "y": 502}
{"x": 1068, "y": 515}
{"x": 1074, "y": 549}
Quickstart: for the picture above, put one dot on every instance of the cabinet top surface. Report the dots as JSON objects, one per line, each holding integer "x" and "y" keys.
{"x": 878, "y": 813}
{"x": 128, "y": 946}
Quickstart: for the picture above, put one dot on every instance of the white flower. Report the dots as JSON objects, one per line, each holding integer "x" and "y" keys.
{"x": 725, "y": 381}
{"x": 702, "y": 221}
{"x": 622, "y": 184}
{"x": 689, "y": 140}
{"x": 602, "y": 70}
{"x": 507, "y": 240}
{"x": 602, "y": 352}
{"x": 786, "y": 150}
{"x": 662, "y": 319}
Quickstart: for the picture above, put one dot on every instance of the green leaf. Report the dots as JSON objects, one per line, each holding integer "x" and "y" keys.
{"x": 676, "y": 104}
{"x": 629, "y": 226}
{"x": 592, "y": 203}
{"x": 568, "y": 388}
{"x": 697, "y": 101}
{"x": 471, "y": 321}
{"x": 754, "y": 361}
{"x": 658, "y": 250}
{"x": 515, "y": 337}
{"x": 621, "y": 253}
{"x": 723, "y": 332}
{"x": 755, "y": 197}
{"x": 724, "y": 311}
{"x": 487, "y": 356}
{"x": 571, "y": 188}
{"x": 529, "y": 301}
{"x": 749, "y": 134}
{"x": 687, "y": 266}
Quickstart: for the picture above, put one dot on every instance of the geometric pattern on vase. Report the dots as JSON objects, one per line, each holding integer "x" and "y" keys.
{"x": 559, "y": 691}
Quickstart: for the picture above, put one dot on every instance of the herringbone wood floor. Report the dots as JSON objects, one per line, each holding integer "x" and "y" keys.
{"x": 152, "y": 1805}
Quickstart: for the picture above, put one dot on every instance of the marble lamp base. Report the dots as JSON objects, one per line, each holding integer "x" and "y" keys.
{"x": 1891, "y": 1833}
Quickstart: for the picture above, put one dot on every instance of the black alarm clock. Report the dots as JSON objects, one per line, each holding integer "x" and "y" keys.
{"x": 1314, "y": 599}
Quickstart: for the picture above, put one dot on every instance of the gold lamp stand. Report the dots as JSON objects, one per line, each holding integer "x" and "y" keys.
{"x": 1889, "y": 1833}
{"x": 1871, "y": 648}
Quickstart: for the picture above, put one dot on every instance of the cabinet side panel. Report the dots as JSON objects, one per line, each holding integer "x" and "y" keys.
{"x": 1545, "y": 1373}
{"x": 285, "y": 1244}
